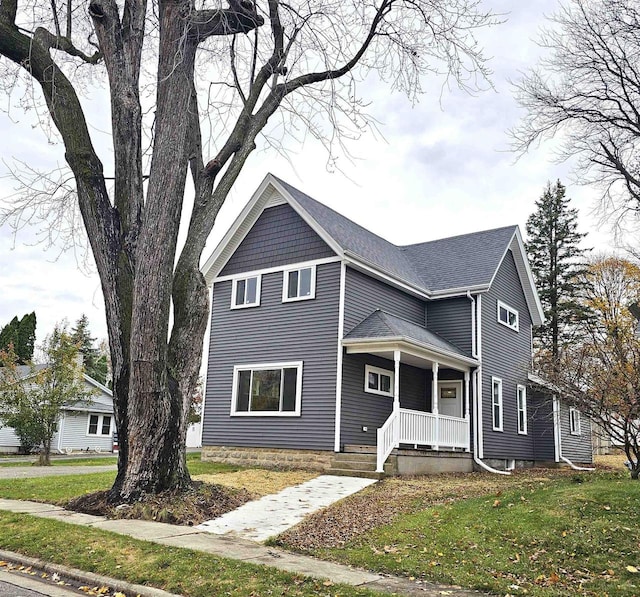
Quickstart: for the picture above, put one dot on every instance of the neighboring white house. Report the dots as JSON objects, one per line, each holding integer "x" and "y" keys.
{"x": 83, "y": 425}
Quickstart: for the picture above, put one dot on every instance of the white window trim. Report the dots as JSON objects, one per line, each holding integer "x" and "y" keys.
{"x": 263, "y": 367}
{"x": 99, "y": 429}
{"x": 498, "y": 427}
{"x": 285, "y": 284}
{"x": 371, "y": 369}
{"x": 574, "y": 415}
{"x": 520, "y": 388}
{"x": 515, "y": 327}
{"x": 234, "y": 291}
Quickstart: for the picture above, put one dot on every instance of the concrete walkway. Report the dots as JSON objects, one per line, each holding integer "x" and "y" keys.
{"x": 238, "y": 549}
{"x": 273, "y": 514}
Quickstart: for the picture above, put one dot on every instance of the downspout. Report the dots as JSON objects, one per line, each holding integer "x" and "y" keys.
{"x": 476, "y": 351}
{"x": 557, "y": 432}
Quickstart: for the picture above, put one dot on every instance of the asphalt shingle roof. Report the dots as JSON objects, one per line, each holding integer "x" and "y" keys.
{"x": 382, "y": 325}
{"x": 462, "y": 261}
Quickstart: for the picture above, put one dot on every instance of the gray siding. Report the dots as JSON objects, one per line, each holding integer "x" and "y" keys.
{"x": 361, "y": 409}
{"x": 275, "y": 332}
{"x": 279, "y": 237}
{"x": 451, "y": 319}
{"x": 541, "y": 425}
{"x": 363, "y": 295}
{"x": 8, "y": 439}
{"x": 576, "y": 448}
{"x": 73, "y": 428}
{"x": 505, "y": 354}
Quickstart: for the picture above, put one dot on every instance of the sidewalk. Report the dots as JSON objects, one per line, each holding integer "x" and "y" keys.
{"x": 238, "y": 549}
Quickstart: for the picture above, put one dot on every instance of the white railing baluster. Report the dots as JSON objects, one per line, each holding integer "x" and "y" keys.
{"x": 406, "y": 426}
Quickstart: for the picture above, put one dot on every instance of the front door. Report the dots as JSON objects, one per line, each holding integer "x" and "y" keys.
{"x": 450, "y": 398}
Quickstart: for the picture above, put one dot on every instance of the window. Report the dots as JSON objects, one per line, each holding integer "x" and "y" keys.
{"x": 522, "y": 410}
{"x": 574, "y": 421}
{"x": 267, "y": 390}
{"x": 507, "y": 316}
{"x": 99, "y": 425}
{"x": 299, "y": 284}
{"x": 496, "y": 403}
{"x": 378, "y": 381}
{"x": 245, "y": 292}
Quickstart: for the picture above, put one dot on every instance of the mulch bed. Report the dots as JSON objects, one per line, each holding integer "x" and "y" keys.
{"x": 193, "y": 506}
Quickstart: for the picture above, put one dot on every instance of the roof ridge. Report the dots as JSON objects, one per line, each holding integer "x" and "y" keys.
{"x": 398, "y": 248}
{"x": 435, "y": 240}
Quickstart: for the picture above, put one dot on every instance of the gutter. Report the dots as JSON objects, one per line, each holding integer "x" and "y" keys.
{"x": 477, "y": 382}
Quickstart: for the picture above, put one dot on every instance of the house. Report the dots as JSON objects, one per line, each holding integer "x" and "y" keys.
{"x": 332, "y": 348}
{"x": 84, "y": 425}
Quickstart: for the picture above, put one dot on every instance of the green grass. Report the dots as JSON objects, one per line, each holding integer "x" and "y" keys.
{"x": 182, "y": 571}
{"x": 573, "y": 536}
{"x": 57, "y": 489}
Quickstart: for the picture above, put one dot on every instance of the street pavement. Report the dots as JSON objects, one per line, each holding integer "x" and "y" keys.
{"x": 31, "y": 472}
{"x": 17, "y": 584}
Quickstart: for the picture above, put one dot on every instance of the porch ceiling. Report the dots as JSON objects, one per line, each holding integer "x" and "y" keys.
{"x": 410, "y": 353}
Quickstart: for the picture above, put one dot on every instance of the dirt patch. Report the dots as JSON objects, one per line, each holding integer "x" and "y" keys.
{"x": 259, "y": 482}
{"x": 201, "y": 502}
{"x": 381, "y": 503}
{"x": 613, "y": 462}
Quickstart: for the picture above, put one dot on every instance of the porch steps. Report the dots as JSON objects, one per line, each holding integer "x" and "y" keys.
{"x": 360, "y": 464}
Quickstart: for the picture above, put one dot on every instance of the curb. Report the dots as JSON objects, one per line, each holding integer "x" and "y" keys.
{"x": 88, "y": 578}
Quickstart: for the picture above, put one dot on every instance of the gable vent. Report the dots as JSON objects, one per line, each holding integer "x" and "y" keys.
{"x": 274, "y": 199}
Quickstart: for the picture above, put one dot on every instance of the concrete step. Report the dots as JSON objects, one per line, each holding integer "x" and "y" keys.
{"x": 353, "y": 457}
{"x": 351, "y": 473}
{"x": 359, "y": 449}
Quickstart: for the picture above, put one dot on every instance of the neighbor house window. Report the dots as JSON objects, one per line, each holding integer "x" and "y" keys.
{"x": 496, "y": 403}
{"x": 378, "y": 381}
{"x": 574, "y": 421}
{"x": 99, "y": 425}
{"x": 507, "y": 316}
{"x": 299, "y": 284}
{"x": 522, "y": 410}
{"x": 267, "y": 390}
{"x": 245, "y": 292}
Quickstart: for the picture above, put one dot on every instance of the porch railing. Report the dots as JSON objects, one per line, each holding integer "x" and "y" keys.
{"x": 419, "y": 428}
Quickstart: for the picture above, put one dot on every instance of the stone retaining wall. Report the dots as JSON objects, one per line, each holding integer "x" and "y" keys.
{"x": 268, "y": 457}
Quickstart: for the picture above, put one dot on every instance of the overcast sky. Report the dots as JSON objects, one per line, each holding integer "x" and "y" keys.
{"x": 441, "y": 168}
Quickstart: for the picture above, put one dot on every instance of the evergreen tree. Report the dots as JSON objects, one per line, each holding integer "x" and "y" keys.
{"x": 556, "y": 261}
{"x": 95, "y": 363}
{"x": 21, "y": 334}
{"x": 26, "y": 338}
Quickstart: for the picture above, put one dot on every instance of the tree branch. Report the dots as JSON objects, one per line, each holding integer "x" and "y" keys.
{"x": 240, "y": 17}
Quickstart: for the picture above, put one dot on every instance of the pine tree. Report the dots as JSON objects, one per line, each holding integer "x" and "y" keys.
{"x": 556, "y": 262}
{"x": 95, "y": 364}
{"x": 26, "y": 338}
{"x": 21, "y": 334}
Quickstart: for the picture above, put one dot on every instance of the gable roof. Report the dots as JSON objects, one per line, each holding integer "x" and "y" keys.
{"x": 381, "y": 325}
{"x": 446, "y": 267}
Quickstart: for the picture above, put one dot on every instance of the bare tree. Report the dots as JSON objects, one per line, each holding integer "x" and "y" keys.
{"x": 300, "y": 59}
{"x": 587, "y": 92}
{"x": 601, "y": 374}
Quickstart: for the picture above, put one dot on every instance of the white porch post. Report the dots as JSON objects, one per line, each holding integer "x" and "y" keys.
{"x": 434, "y": 403}
{"x": 396, "y": 380}
{"x": 396, "y": 393}
{"x": 467, "y": 401}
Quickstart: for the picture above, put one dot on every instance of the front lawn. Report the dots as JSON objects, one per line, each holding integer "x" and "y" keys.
{"x": 177, "y": 570}
{"x": 569, "y": 534}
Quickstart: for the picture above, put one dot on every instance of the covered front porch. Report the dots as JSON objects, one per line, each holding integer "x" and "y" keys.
{"x": 438, "y": 422}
